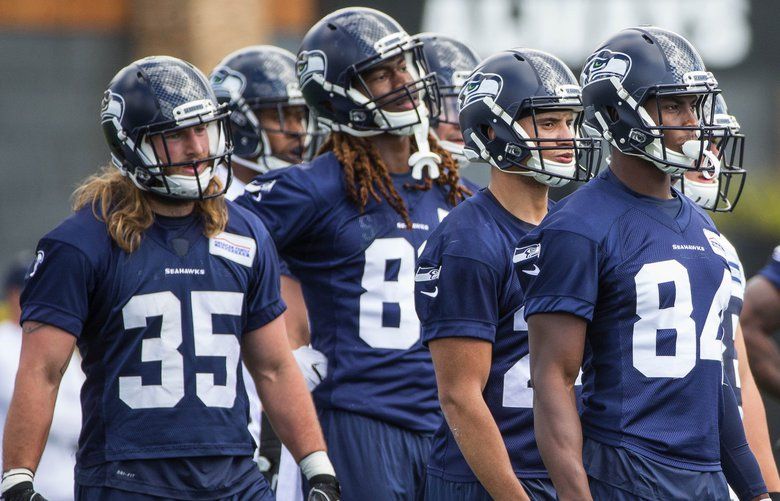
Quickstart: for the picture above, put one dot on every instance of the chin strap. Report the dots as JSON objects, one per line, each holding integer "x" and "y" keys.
{"x": 423, "y": 157}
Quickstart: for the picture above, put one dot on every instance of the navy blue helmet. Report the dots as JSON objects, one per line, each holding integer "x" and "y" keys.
{"x": 157, "y": 96}
{"x": 634, "y": 66}
{"x": 254, "y": 79}
{"x": 514, "y": 84}
{"x": 721, "y": 193}
{"x": 452, "y": 61}
{"x": 343, "y": 45}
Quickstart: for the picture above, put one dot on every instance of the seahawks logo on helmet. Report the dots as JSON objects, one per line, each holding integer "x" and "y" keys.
{"x": 606, "y": 64}
{"x": 310, "y": 63}
{"x": 228, "y": 84}
{"x": 478, "y": 87}
{"x": 112, "y": 107}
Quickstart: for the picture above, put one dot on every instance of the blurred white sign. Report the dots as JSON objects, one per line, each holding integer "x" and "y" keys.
{"x": 572, "y": 29}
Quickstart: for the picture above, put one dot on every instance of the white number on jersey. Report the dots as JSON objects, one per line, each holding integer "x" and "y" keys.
{"x": 379, "y": 292}
{"x": 653, "y": 318}
{"x": 164, "y": 349}
{"x": 517, "y": 380}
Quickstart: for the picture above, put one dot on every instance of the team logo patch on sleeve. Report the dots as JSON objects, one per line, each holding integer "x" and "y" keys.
{"x": 715, "y": 243}
{"x": 527, "y": 253}
{"x": 236, "y": 248}
{"x": 258, "y": 188}
{"x": 36, "y": 263}
{"x": 427, "y": 274}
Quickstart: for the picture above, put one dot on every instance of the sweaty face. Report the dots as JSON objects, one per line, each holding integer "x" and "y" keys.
{"x": 384, "y": 78}
{"x": 285, "y": 128}
{"x": 181, "y": 147}
{"x": 557, "y": 126}
{"x": 675, "y": 111}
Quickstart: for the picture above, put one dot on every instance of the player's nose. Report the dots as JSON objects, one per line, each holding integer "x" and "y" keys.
{"x": 196, "y": 143}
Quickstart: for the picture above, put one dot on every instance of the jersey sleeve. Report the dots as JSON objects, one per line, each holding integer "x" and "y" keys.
{"x": 284, "y": 269}
{"x": 264, "y": 301}
{"x": 458, "y": 299}
{"x": 560, "y": 275}
{"x": 286, "y": 205}
{"x": 772, "y": 269}
{"x": 57, "y": 291}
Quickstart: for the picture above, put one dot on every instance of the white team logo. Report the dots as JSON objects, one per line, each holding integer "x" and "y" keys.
{"x": 527, "y": 253}
{"x": 311, "y": 63}
{"x": 715, "y": 243}
{"x": 228, "y": 84}
{"x": 427, "y": 274}
{"x": 478, "y": 87}
{"x": 606, "y": 64}
{"x": 259, "y": 188}
{"x": 38, "y": 260}
{"x": 112, "y": 107}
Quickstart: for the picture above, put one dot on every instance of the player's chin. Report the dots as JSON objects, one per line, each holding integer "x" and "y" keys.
{"x": 293, "y": 154}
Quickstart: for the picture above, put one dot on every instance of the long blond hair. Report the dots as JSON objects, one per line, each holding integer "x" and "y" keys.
{"x": 365, "y": 174}
{"x": 127, "y": 213}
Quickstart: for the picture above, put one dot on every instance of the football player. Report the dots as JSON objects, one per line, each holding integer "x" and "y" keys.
{"x": 271, "y": 127}
{"x": 720, "y": 194}
{"x": 518, "y": 112}
{"x": 164, "y": 287}
{"x": 452, "y": 61}
{"x": 632, "y": 274}
{"x": 760, "y": 319}
{"x": 349, "y": 224}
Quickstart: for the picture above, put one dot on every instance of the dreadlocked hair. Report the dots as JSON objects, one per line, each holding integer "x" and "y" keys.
{"x": 365, "y": 173}
{"x": 127, "y": 213}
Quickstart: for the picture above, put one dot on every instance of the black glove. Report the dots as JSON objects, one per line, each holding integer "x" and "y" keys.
{"x": 774, "y": 496}
{"x": 22, "y": 492}
{"x": 324, "y": 488}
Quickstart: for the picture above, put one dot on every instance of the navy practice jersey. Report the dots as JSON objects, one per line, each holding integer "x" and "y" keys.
{"x": 731, "y": 319}
{"x": 466, "y": 286}
{"x": 159, "y": 330}
{"x": 772, "y": 269}
{"x": 652, "y": 288}
{"x": 357, "y": 275}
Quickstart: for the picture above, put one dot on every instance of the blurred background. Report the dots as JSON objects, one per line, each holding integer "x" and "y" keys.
{"x": 57, "y": 56}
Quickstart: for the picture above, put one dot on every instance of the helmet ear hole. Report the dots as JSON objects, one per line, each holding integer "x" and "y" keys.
{"x": 612, "y": 114}
{"x": 489, "y": 132}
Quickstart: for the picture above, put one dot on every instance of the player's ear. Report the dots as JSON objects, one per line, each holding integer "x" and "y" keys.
{"x": 491, "y": 134}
